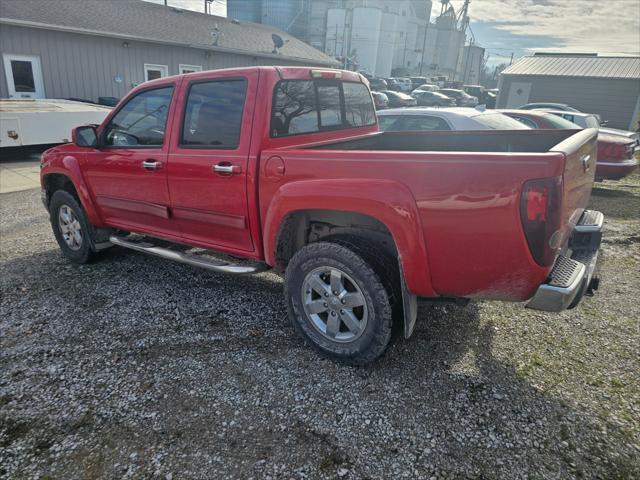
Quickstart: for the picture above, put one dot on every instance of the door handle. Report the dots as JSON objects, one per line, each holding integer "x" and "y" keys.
{"x": 151, "y": 164}
{"x": 227, "y": 169}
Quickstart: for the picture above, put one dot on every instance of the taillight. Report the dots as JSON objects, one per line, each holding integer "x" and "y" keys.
{"x": 540, "y": 212}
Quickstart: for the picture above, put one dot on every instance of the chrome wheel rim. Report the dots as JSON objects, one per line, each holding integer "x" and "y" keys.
{"x": 70, "y": 227}
{"x": 334, "y": 304}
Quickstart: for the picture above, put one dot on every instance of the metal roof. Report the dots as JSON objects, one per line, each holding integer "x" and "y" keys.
{"x": 144, "y": 21}
{"x": 577, "y": 66}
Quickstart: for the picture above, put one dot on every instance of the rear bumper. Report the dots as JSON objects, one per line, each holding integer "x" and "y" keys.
{"x": 573, "y": 276}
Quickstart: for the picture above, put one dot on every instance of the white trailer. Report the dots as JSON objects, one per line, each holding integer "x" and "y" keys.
{"x": 41, "y": 122}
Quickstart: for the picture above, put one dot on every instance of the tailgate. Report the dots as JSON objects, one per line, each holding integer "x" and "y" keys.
{"x": 580, "y": 151}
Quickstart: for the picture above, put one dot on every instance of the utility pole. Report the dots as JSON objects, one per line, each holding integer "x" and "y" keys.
{"x": 511, "y": 60}
{"x": 424, "y": 45}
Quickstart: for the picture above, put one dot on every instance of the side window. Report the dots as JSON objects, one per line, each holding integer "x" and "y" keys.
{"x": 359, "y": 110}
{"x": 424, "y": 122}
{"x": 141, "y": 121}
{"x": 294, "y": 109}
{"x": 213, "y": 114}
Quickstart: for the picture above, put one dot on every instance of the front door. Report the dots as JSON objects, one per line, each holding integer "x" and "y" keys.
{"x": 127, "y": 173}
{"x": 208, "y": 165}
{"x": 24, "y": 76}
{"x": 518, "y": 94}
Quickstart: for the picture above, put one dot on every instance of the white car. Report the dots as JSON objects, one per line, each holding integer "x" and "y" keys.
{"x": 590, "y": 120}
{"x": 455, "y": 118}
{"x": 404, "y": 84}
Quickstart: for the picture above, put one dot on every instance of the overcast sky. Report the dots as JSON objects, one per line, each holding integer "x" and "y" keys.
{"x": 607, "y": 27}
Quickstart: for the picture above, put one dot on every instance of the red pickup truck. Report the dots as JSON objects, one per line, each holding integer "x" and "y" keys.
{"x": 285, "y": 168}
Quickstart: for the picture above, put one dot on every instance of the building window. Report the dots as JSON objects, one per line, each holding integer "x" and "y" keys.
{"x": 189, "y": 68}
{"x": 213, "y": 114}
{"x": 152, "y": 71}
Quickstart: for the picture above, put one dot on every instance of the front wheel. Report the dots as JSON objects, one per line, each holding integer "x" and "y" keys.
{"x": 338, "y": 302}
{"x": 71, "y": 227}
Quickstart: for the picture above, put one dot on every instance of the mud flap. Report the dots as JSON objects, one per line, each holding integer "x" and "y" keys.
{"x": 409, "y": 306}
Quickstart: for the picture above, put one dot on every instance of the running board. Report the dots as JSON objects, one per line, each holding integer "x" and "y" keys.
{"x": 192, "y": 260}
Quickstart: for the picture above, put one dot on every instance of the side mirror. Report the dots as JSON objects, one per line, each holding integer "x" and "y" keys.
{"x": 604, "y": 123}
{"x": 85, "y": 136}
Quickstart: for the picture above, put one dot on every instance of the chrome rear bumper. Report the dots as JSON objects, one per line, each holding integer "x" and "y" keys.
{"x": 573, "y": 276}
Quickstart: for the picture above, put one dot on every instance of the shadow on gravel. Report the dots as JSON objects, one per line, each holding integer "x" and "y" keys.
{"x": 161, "y": 357}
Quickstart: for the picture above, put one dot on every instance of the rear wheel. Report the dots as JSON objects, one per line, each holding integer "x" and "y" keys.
{"x": 71, "y": 227}
{"x": 338, "y": 302}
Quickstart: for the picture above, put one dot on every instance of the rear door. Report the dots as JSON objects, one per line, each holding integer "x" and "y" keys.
{"x": 209, "y": 159}
{"x": 127, "y": 173}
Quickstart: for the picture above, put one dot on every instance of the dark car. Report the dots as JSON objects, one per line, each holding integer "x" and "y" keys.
{"x": 399, "y": 99}
{"x": 380, "y": 100}
{"x": 462, "y": 98}
{"x": 392, "y": 84}
{"x": 433, "y": 99}
{"x": 378, "y": 84}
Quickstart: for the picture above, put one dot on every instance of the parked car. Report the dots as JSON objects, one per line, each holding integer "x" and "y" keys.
{"x": 490, "y": 99}
{"x": 378, "y": 84}
{"x": 590, "y": 120}
{"x": 548, "y": 106}
{"x": 484, "y": 96}
{"x": 404, "y": 84}
{"x": 616, "y": 157}
{"x": 399, "y": 99}
{"x": 393, "y": 84}
{"x": 417, "y": 81}
{"x": 432, "y": 99}
{"x": 300, "y": 179}
{"x": 457, "y": 118}
{"x": 462, "y": 98}
{"x": 380, "y": 100}
{"x": 584, "y": 120}
{"x": 427, "y": 87}
{"x": 563, "y": 107}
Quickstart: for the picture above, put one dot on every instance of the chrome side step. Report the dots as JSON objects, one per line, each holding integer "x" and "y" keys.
{"x": 192, "y": 260}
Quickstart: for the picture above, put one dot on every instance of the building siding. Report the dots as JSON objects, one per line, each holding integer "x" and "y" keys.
{"x": 613, "y": 99}
{"x": 84, "y": 66}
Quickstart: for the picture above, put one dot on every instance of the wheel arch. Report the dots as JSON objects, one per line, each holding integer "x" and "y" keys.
{"x": 70, "y": 179}
{"x": 375, "y": 208}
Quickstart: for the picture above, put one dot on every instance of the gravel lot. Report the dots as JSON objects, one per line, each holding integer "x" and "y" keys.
{"x": 135, "y": 367}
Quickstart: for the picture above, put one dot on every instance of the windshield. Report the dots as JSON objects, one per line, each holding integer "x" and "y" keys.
{"x": 498, "y": 121}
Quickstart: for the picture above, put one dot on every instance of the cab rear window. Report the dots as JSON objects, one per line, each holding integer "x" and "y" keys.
{"x": 309, "y": 106}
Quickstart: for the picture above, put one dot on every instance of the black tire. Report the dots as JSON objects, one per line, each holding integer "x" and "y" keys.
{"x": 83, "y": 253}
{"x": 351, "y": 259}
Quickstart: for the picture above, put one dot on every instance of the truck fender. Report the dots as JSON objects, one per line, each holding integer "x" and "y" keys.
{"x": 70, "y": 168}
{"x": 389, "y": 202}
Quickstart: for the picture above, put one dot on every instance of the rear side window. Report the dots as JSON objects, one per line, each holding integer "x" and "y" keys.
{"x": 359, "y": 111}
{"x": 213, "y": 114}
{"x": 306, "y": 106}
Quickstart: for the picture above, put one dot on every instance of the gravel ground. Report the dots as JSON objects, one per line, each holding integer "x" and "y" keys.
{"x": 135, "y": 367}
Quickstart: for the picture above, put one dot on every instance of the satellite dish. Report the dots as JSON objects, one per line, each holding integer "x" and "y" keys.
{"x": 278, "y": 42}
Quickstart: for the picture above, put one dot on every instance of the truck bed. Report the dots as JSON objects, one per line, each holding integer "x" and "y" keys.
{"x": 467, "y": 187}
